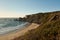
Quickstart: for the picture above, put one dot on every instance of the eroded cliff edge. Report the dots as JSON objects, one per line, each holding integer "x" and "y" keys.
{"x": 49, "y": 28}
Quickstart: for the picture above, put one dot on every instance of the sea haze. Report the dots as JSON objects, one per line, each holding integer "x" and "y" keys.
{"x": 9, "y": 24}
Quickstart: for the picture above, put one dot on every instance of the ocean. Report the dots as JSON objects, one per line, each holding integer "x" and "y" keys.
{"x": 8, "y": 25}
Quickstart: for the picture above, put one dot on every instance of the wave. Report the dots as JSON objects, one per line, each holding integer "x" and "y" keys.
{"x": 9, "y": 29}
{"x": 8, "y": 25}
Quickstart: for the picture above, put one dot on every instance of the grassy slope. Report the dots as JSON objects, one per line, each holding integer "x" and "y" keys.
{"x": 49, "y": 28}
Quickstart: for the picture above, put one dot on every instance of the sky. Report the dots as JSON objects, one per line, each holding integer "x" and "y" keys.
{"x": 20, "y": 8}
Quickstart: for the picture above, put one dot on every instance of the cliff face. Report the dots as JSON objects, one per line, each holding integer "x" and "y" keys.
{"x": 49, "y": 28}
{"x": 42, "y": 17}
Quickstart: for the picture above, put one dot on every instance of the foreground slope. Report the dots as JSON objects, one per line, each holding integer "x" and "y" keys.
{"x": 49, "y": 28}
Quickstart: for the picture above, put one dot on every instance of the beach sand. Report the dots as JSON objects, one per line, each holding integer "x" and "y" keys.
{"x": 18, "y": 33}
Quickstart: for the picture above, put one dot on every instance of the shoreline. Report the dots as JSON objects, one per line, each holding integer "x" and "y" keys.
{"x": 16, "y": 29}
{"x": 19, "y": 29}
{"x": 18, "y": 33}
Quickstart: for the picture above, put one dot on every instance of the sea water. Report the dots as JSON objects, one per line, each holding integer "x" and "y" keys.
{"x": 8, "y": 25}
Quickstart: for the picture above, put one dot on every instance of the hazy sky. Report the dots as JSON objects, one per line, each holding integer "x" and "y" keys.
{"x": 16, "y": 8}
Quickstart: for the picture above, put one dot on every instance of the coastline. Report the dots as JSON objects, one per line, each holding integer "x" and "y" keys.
{"x": 20, "y": 27}
{"x": 19, "y": 32}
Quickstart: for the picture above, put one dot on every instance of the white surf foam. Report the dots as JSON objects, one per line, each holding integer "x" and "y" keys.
{"x": 9, "y": 29}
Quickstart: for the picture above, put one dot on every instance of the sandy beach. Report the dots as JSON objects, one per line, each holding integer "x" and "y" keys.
{"x": 18, "y": 33}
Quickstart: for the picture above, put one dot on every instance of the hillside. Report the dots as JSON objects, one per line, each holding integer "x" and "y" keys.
{"x": 49, "y": 28}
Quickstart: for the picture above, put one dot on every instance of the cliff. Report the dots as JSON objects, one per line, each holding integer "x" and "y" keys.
{"x": 49, "y": 28}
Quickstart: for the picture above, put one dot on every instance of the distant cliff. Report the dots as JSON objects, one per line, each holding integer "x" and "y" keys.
{"x": 49, "y": 28}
